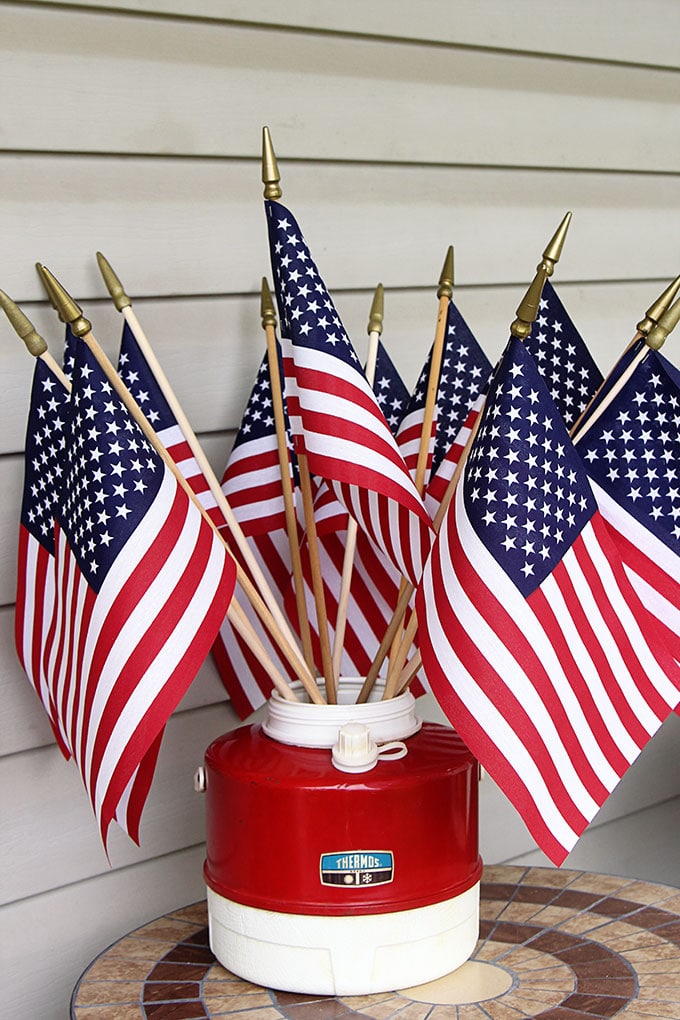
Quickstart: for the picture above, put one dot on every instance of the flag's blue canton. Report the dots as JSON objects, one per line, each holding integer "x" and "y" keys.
{"x": 45, "y": 443}
{"x": 301, "y": 294}
{"x": 134, "y": 370}
{"x": 258, "y": 420}
{"x": 526, "y": 491}
{"x": 465, "y": 371}
{"x": 390, "y": 390}
{"x": 111, "y": 474}
{"x": 563, "y": 359}
{"x": 633, "y": 450}
{"x": 71, "y": 343}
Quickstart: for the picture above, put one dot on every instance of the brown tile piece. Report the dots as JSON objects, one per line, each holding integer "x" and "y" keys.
{"x": 556, "y": 942}
{"x": 558, "y": 878}
{"x": 595, "y": 1005}
{"x": 607, "y": 966}
{"x": 576, "y": 899}
{"x": 171, "y": 991}
{"x": 91, "y": 993}
{"x": 535, "y": 894}
{"x": 291, "y": 998}
{"x": 200, "y": 938}
{"x": 508, "y": 931}
{"x": 113, "y": 969}
{"x": 614, "y": 906}
{"x": 653, "y": 917}
{"x": 175, "y": 1011}
{"x": 184, "y": 953}
{"x": 168, "y": 971}
{"x": 497, "y": 891}
{"x": 623, "y": 987}
{"x": 216, "y": 1004}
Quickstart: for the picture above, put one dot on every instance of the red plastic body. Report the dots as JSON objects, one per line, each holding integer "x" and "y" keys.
{"x": 273, "y": 811}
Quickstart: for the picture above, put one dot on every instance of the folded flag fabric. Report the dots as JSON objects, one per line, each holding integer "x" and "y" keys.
{"x": 334, "y": 411}
{"x": 532, "y": 637}
{"x": 142, "y": 585}
{"x": 632, "y": 455}
{"x": 252, "y": 484}
{"x": 465, "y": 370}
{"x": 467, "y": 377}
{"x": 45, "y": 444}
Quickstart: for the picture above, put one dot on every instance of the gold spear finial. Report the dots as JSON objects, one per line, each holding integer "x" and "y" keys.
{"x": 446, "y": 279}
{"x": 67, "y": 309}
{"x": 267, "y": 310}
{"x": 552, "y": 253}
{"x": 22, "y": 325}
{"x": 666, "y": 324}
{"x": 528, "y": 306}
{"x": 270, "y": 168}
{"x": 655, "y": 311}
{"x": 113, "y": 284}
{"x": 375, "y": 319}
{"x": 46, "y": 285}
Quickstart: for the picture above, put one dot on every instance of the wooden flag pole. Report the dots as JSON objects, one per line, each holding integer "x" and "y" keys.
{"x": 269, "y": 326}
{"x": 375, "y": 328}
{"x": 644, "y": 328}
{"x": 315, "y": 569}
{"x": 655, "y": 340}
{"x": 444, "y": 293}
{"x": 123, "y": 303}
{"x": 70, "y": 312}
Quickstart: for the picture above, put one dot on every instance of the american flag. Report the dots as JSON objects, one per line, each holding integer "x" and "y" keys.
{"x": 45, "y": 443}
{"x": 632, "y": 455}
{"x": 252, "y": 484}
{"x": 563, "y": 359}
{"x": 532, "y": 637}
{"x": 332, "y": 406}
{"x": 142, "y": 585}
{"x": 374, "y": 585}
{"x": 390, "y": 389}
{"x": 464, "y": 370}
{"x": 137, "y": 375}
{"x": 464, "y": 379}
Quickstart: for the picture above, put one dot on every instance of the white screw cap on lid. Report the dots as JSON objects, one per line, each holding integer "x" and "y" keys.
{"x": 356, "y": 751}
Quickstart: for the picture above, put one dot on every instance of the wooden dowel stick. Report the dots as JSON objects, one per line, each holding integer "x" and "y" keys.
{"x": 241, "y": 623}
{"x": 269, "y": 323}
{"x": 408, "y": 673}
{"x": 315, "y": 568}
{"x": 579, "y": 433}
{"x": 374, "y": 331}
{"x": 384, "y": 647}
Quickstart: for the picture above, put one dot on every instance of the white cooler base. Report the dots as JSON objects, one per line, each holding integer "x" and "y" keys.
{"x": 349, "y": 955}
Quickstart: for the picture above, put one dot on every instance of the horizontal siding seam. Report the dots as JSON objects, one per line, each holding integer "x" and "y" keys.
{"x": 298, "y": 29}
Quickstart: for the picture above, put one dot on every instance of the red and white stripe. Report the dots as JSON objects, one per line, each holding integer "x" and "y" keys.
{"x": 252, "y": 485}
{"x": 555, "y": 694}
{"x": 349, "y": 444}
{"x": 32, "y": 620}
{"x": 175, "y": 443}
{"x": 121, "y": 659}
{"x": 438, "y": 484}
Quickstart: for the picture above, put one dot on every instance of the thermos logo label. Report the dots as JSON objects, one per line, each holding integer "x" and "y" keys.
{"x": 357, "y": 867}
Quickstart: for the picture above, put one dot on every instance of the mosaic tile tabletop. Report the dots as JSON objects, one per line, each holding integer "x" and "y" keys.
{"x": 564, "y": 944}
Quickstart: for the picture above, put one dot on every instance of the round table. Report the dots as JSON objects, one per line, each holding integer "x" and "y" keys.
{"x": 554, "y": 945}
